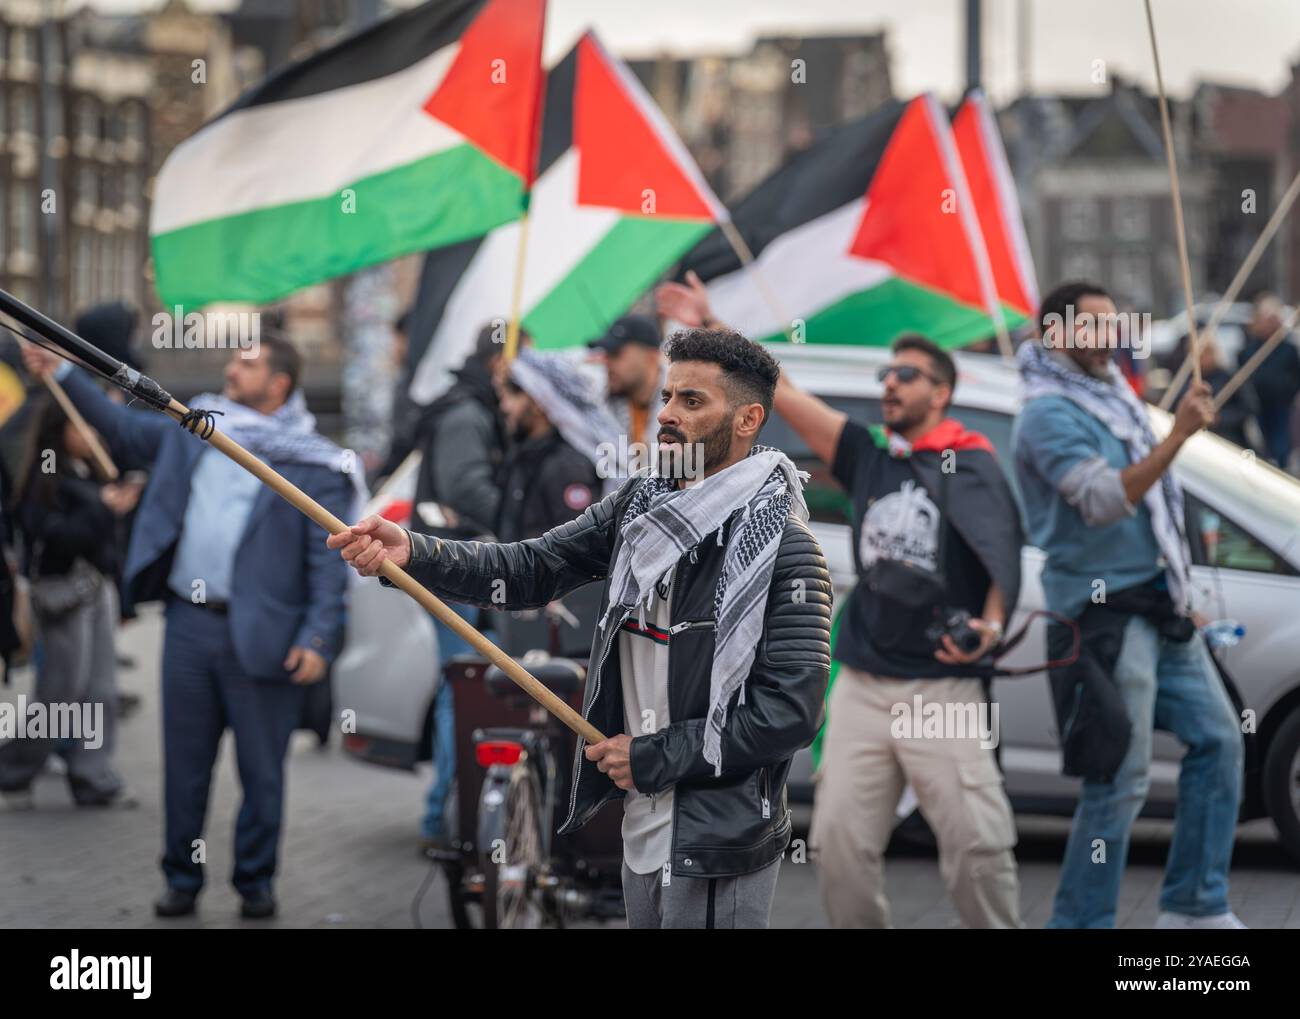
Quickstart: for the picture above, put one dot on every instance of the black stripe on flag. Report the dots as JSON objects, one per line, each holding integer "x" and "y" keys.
{"x": 385, "y": 48}
{"x": 832, "y": 172}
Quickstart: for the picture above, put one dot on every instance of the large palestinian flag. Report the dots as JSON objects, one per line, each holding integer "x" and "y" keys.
{"x": 870, "y": 233}
{"x": 617, "y": 201}
{"x": 418, "y": 132}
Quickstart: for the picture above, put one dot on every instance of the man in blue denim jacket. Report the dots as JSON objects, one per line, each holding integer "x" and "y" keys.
{"x": 1101, "y": 501}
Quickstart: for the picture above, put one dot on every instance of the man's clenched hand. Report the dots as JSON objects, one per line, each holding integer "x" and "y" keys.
{"x": 613, "y": 757}
{"x": 369, "y": 543}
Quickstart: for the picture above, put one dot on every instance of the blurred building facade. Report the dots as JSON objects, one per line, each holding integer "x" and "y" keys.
{"x": 743, "y": 115}
{"x": 1094, "y": 189}
{"x": 74, "y": 167}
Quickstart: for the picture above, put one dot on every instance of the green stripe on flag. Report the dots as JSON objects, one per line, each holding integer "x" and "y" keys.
{"x": 835, "y": 671}
{"x": 617, "y": 270}
{"x": 261, "y": 255}
{"x": 875, "y": 317}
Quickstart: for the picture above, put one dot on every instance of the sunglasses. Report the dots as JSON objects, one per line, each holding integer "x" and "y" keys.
{"x": 905, "y": 373}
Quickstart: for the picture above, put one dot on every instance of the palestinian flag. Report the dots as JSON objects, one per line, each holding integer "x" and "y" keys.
{"x": 870, "y": 233}
{"x": 994, "y": 193}
{"x": 617, "y": 201}
{"x": 418, "y": 132}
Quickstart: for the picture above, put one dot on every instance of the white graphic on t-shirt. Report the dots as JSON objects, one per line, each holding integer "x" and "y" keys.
{"x": 901, "y": 525}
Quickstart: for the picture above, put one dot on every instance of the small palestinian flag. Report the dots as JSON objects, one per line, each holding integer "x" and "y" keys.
{"x": 617, "y": 201}
{"x": 870, "y": 233}
{"x": 994, "y": 193}
{"x": 418, "y": 132}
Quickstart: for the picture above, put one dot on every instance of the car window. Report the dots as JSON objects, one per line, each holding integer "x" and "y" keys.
{"x": 827, "y": 502}
{"x": 1218, "y": 540}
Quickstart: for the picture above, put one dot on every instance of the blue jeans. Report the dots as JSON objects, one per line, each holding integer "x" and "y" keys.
{"x": 1275, "y": 423}
{"x": 1171, "y": 686}
{"x": 444, "y": 726}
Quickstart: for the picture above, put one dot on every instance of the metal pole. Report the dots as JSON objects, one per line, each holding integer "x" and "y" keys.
{"x": 973, "y": 30}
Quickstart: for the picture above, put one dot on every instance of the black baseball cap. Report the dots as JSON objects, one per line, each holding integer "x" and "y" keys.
{"x": 639, "y": 329}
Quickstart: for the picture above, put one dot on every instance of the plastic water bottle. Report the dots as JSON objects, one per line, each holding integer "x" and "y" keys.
{"x": 1223, "y": 633}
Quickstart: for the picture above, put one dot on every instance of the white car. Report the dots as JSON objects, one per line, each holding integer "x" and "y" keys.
{"x": 1243, "y": 524}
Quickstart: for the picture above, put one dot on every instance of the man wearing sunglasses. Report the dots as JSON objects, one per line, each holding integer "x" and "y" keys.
{"x": 936, "y": 533}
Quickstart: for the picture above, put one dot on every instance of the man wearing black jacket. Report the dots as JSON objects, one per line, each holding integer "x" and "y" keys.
{"x": 704, "y": 737}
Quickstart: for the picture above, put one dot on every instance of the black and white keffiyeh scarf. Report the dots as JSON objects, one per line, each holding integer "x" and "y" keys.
{"x": 663, "y": 522}
{"x": 566, "y": 398}
{"x": 286, "y": 435}
{"x": 1113, "y": 402}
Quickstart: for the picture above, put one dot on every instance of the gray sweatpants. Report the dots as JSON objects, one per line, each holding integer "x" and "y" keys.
{"x": 80, "y": 667}
{"x": 696, "y": 902}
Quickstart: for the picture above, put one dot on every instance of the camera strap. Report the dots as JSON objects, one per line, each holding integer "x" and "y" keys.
{"x": 1013, "y": 641}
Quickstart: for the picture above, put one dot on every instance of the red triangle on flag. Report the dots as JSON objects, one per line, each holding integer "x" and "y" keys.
{"x": 629, "y": 159}
{"x": 914, "y": 220}
{"x": 996, "y": 206}
{"x": 492, "y": 93}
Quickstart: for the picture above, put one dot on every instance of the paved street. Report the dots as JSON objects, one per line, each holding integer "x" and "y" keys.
{"x": 349, "y": 859}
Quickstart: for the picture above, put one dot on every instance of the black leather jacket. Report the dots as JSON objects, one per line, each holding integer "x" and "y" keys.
{"x": 722, "y": 825}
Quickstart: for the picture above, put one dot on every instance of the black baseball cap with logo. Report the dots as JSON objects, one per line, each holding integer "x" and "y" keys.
{"x": 639, "y": 329}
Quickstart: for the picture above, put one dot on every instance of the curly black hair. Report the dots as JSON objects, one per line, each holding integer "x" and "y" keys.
{"x": 749, "y": 371}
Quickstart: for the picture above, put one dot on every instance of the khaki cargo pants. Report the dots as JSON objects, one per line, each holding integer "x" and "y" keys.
{"x": 873, "y": 747}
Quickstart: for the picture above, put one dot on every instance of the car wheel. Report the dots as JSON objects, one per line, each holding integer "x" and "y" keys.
{"x": 1282, "y": 783}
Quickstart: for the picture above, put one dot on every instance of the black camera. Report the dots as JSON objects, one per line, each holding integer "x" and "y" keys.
{"x": 956, "y": 624}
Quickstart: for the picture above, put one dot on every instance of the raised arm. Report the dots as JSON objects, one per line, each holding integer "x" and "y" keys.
{"x": 514, "y": 575}
{"x": 814, "y": 420}
{"x": 132, "y": 434}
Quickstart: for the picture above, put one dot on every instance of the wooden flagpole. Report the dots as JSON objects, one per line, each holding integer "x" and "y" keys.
{"x": 1179, "y": 227}
{"x": 102, "y": 459}
{"x": 150, "y": 392}
{"x": 1234, "y": 288}
{"x": 1256, "y": 359}
{"x": 738, "y": 244}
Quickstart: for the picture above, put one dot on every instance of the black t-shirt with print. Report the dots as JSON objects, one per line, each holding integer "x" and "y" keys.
{"x": 895, "y": 517}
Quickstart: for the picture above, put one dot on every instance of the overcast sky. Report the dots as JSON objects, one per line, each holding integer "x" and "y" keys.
{"x": 1246, "y": 42}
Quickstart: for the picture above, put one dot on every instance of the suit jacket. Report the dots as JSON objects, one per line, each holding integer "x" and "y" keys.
{"x": 287, "y": 589}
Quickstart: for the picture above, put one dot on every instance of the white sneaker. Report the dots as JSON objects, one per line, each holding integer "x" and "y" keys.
{"x": 1181, "y": 921}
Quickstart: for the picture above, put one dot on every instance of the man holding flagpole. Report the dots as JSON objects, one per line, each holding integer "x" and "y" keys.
{"x": 719, "y": 565}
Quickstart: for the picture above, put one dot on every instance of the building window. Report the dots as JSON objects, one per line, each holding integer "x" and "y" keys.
{"x": 1132, "y": 219}
{"x": 1079, "y": 219}
{"x": 82, "y": 268}
{"x": 1080, "y": 265}
{"x": 24, "y": 112}
{"x": 107, "y": 265}
{"x": 87, "y": 119}
{"x": 24, "y": 209}
{"x": 88, "y": 187}
{"x": 1132, "y": 275}
{"x": 20, "y": 41}
{"x": 133, "y": 123}
{"x": 130, "y": 269}
{"x": 109, "y": 197}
